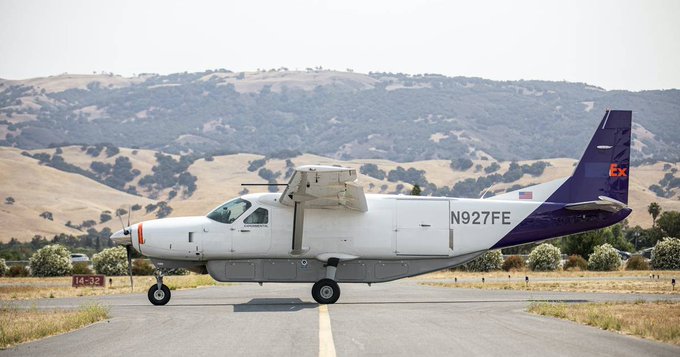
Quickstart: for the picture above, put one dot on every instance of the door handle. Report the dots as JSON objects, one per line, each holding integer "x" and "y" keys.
{"x": 424, "y": 225}
{"x": 245, "y": 230}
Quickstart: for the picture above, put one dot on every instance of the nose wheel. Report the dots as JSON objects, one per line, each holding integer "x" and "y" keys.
{"x": 159, "y": 293}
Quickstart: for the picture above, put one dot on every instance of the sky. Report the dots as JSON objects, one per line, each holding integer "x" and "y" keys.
{"x": 614, "y": 44}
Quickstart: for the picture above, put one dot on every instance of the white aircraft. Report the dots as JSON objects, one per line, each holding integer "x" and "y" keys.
{"x": 324, "y": 230}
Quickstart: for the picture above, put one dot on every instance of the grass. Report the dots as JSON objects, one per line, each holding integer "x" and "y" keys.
{"x": 47, "y": 288}
{"x": 569, "y": 281}
{"x": 22, "y": 325}
{"x": 658, "y": 321}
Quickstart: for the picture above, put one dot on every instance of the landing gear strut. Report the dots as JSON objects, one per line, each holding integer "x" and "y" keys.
{"x": 327, "y": 291}
{"x": 159, "y": 293}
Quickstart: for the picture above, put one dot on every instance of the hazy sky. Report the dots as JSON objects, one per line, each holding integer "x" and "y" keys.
{"x": 613, "y": 44}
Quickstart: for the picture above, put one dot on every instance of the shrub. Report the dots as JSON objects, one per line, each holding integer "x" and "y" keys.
{"x": 514, "y": 262}
{"x": 3, "y": 267}
{"x": 637, "y": 262}
{"x": 81, "y": 268}
{"x": 604, "y": 258}
{"x": 545, "y": 257}
{"x": 111, "y": 261}
{"x": 18, "y": 271}
{"x": 142, "y": 267}
{"x": 51, "y": 260}
{"x": 666, "y": 254}
{"x": 491, "y": 260}
{"x": 575, "y": 262}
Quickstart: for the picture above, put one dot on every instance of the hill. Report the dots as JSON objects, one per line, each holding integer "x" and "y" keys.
{"x": 342, "y": 115}
{"x": 71, "y": 196}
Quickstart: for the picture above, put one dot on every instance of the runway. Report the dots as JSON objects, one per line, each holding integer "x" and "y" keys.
{"x": 398, "y": 318}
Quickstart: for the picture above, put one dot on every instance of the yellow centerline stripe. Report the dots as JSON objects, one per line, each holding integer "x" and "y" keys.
{"x": 326, "y": 345}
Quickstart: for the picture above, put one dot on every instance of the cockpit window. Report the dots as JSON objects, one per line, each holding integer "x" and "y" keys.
{"x": 230, "y": 211}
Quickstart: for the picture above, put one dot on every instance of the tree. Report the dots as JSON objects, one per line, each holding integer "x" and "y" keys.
{"x": 669, "y": 223}
{"x": 489, "y": 261}
{"x": 3, "y": 267}
{"x": 47, "y": 215}
{"x": 415, "y": 191}
{"x": 51, "y": 260}
{"x": 111, "y": 261}
{"x": 545, "y": 257}
{"x": 654, "y": 209}
{"x": 666, "y": 254}
{"x": 9, "y": 200}
{"x": 604, "y": 258}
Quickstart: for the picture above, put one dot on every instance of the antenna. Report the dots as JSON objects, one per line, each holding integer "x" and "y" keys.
{"x": 487, "y": 190}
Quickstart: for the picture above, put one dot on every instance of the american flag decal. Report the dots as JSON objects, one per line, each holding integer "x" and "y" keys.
{"x": 526, "y": 195}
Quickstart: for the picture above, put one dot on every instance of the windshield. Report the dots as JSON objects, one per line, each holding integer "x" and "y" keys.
{"x": 230, "y": 211}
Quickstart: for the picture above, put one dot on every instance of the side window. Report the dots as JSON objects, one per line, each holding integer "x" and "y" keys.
{"x": 260, "y": 216}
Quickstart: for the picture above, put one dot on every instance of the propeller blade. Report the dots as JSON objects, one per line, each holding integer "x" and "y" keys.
{"x": 128, "y": 248}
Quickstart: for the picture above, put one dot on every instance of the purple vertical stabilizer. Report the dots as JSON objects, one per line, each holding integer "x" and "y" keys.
{"x": 604, "y": 166}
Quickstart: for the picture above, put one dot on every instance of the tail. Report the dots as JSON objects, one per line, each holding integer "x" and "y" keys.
{"x": 604, "y": 168}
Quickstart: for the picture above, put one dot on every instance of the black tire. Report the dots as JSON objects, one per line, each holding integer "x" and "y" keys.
{"x": 159, "y": 297}
{"x": 326, "y": 291}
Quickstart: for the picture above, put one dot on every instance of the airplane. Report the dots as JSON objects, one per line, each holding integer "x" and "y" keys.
{"x": 324, "y": 230}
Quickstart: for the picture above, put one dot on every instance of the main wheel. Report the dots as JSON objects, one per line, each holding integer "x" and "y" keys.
{"x": 159, "y": 297}
{"x": 326, "y": 291}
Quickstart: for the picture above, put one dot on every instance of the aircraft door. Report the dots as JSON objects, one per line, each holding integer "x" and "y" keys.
{"x": 422, "y": 227}
{"x": 252, "y": 235}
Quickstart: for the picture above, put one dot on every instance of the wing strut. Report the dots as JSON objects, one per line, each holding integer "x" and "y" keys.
{"x": 299, "y": 199}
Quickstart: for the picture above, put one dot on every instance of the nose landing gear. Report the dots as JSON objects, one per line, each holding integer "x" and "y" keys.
{"x": 159, "y": 294}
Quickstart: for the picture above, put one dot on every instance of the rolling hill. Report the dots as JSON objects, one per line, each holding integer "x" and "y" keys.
{"x": 38, "y": 188}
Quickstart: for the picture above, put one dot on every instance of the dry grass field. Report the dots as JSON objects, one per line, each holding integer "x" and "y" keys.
{"x": 658, "y": 321}
{"x": 22, "y": 325}
{"x": 60, "y": 287}
{"x": 571, "y": 281}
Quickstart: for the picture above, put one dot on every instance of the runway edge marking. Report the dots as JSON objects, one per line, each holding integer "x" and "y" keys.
{"x": 326, "y": 344}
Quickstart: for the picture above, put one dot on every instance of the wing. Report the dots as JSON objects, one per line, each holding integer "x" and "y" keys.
{"x": 314, "y": 186}
{"x": 325, "y": 186}
{"x": 604, "y": 203}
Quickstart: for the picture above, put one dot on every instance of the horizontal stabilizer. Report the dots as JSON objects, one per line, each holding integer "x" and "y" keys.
{"x": 604, "y": 204}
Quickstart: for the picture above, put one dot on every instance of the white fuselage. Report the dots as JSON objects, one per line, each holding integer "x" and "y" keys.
{"x": 394, "y": 227}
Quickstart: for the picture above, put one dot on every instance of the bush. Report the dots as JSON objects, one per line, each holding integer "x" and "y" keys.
{"x": 51, "y": 260}
{"x": 545, "y": 257}
{"x": 3, "y": 267}
{"x": 514, "y": 262}
{"x": 666, "y": 254}
{"x": 491, "y": 260}
{"x": 637, "y": 262}
{"x": 604, "y": 258}
{"x": 18, "y": 271}
{"x": 111, "y": 261}
{"x": 142, "y": 267}
{"x": 576, "y": 262}
{"x": 81, "y": 268}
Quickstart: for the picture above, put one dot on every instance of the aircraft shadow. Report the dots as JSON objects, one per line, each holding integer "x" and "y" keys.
{"x": 274, "y": 305}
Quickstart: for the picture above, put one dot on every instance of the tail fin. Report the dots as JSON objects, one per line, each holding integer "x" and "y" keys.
{"x": 604, "y": 166}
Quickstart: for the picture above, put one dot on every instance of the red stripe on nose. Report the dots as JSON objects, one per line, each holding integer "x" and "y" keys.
{"x": 140, "y": 234}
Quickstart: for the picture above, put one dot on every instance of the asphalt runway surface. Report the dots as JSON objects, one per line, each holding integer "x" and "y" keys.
{"x": 399, "y": 318}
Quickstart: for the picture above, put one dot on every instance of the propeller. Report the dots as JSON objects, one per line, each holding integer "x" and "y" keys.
{"x": 128, "y": 247}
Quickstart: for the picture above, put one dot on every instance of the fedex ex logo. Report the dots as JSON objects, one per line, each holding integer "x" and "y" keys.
{"x": 615, "y": 171}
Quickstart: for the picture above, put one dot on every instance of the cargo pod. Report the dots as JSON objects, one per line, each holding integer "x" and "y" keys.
{"x": 422, "y": 227}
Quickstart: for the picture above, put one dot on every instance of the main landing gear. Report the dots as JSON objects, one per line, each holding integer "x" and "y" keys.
{"x": 159, "y": 293}
{"x": 327, "y": 291}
